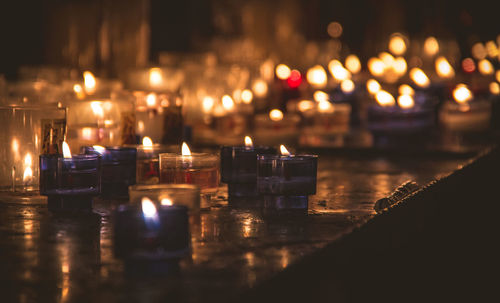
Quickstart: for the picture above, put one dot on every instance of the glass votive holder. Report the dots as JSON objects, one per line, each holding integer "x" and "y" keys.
{"x": 70, "y": 184}
{"x": 285, "y": 182}
{"x": 148, "y": 162}
{"x": 155, "y": 225}
{"x": 276, "y": 127}
{"x": 26, "y": 133}
{"x": 239, "y": 169}
{"x": 201, "y": 169}
{"x": 469, "y": 117}
{"x": 118, "y": 169}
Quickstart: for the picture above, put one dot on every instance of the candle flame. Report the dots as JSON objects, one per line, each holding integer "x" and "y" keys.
{"x": 28, "y": 160}
{"x": 155, "y": 76}
{"x": 276, "y": 115}
{"x": 305, "y": 105}
{"x": 259, "y": 88}
{"x": 185, "y": 149}
{"x": 431, "y": 46}
{"x": 462, "y": 94}
{"x": 316, "y": 76}
{"x": 497, "y": 75}
{"x": 166, "y": 202}
{"x": 485, "y": 67}
{"x": 148, "y": 208}
{"x": 28, "y": 174}
{"x": 338, "y": 72}
{"x": 147, "y": 142}
{"x": 89, "y": 82}
{"x": 97, "y": 109}
{"x": 491, "y": 49}
{"x": 373, "y": 86}
{"x": 384, "y": 98}
{"x": 405, "y": 101}
{"x": 387, "y": 58}
{"x": 353, "y": 64}
{"x": 347, "y": 86}
{"x": 248, "y": 141}
{"x": 99, "y": 149}
{"x": 320, "y": 96}
{"x": 397, "y": 44}
{"x": 283, "y": 72}
{"x": 419, "y": 77}
{"x": 208, "y": 104}
{"x": 399, "y": 66}
{"x": 325, "y": 107}
{"x": 494, "y": 88}
{"x": 405, "y": 89}
{"x": 284, "y": 151}
{"x": 227, "y": 102}
{"x": 78, "y": 89}
{"x": 444, "y": 68}
{"x": 246, "y": 96}
{"x": 66, "y": 150}
{"x": 151, "y": 99}
{"x": 478, "y": 51}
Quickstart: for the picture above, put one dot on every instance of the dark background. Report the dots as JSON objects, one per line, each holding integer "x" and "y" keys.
{"x": 174, "y": 25}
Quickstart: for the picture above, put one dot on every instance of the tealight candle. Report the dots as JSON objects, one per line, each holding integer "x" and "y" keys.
{"x": 276, "y": 127}
{"x": 118, "y": 168}
{"x": 239, "y": 168}
{"x": 285, "y": 181}
{"x": 148, "y": 168}
{"x": 201, "y": 169}
{"x": 155, "y": 225}
{"x": 70, "y": 182}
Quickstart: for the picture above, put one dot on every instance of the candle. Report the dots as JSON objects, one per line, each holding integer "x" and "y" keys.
{"x": 286, "y": 180}
{"x": 276, "y": 126}
{"x": 201, "y": 169}
{"x": 118, "y": 169}
{"x": 239, "y": 168}
{"x": 70, "y": 182}
{"x": 155, "y": 225}
{"x": 148, "y": 168}
{"x": 231, "y": 120}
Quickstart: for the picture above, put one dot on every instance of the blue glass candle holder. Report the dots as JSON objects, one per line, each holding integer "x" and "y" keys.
{"x": 285, "y": 182}
{"x": 118, "y": 169}
{"x": 70, "y": 184}
{"x": 239, "y": 169}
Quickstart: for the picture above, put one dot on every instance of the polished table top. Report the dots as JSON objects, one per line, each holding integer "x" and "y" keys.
{"x": 54, "y": 258}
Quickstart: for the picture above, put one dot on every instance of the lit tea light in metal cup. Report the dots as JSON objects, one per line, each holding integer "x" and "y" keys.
{"x": 239, "y": 168}
{"x": 285, "y": 181}
{"x": 70, "y": 182}
{"x": 154, "y": 226}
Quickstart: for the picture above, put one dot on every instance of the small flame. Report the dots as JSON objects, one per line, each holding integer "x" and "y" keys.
{"x": 397, "y": 44}
{"x": 66, "y": 150}
{"x": 208, "y": 104}
{"x": 155, "y": 76}
{"x": 373, "y": 86}
{"x": 100, "y": 149}
{"x": 320, "y": 96}
{"x": 97, "y": 109}
{"x": 494, "y": 88}
{"x": 276, "y": 115}
{"x": 15, "y": 145}
{"x": 89, "y": 82}
{"x": 431, "y": 46}
{"x": 462, "y": 94}
{"x": 284, "y": 151}
{"x": 405, "y": 101}
{"x": 87, "y": 133}
{"x": 384, "y": 98}
{"x": 148, "y": 208}
{"x": 166, "y": 202}
{"x": 246, "y": 96}
{"x": 338, "y": 72}
{"x": 405, "y": 89}
{"x": 387, "y": 58}
{"x": 444, "y": 68}
{"x": 325, "y": 107}
{"x": 305, "y": 105}
{"x": 485, "y": 67}
{"x": 399, "y": 66}
{"x": 227, "y": 102}
{"x": 353, "y": 64}
{"x": 28, "y": 174}
{"x": 316, "y": 76}
{"x": 28, "y": 160}
{"x": 78, "y": 89}
{"x": 347, "y": 86}
{"x": 185, "y": 149}
{"x": 248, "y": 141}
{"x": 419, "y": 77}
{"x": 491, "y": 49}
{"x": 260, "y": 88}
{"x": 147, "y": 142}
{"x": 376, "y": 67}
{"x": 151, "y": 99}
{"x": 283, "y": 72}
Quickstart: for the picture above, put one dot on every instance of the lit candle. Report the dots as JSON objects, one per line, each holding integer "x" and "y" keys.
{"x": 276, "y": 127}
{"x": 148, "y": 168}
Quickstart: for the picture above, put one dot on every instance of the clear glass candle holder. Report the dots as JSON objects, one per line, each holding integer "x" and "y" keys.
{"x": 326, "y": 127}
{"x": 285, "y": 182}
{"x": 148, "y": 162}
{"x": 201, "y": 169}
{"x": 268, "y": 132}
{"x": 474, "y": 116}
{"x": 26, "y": 133}
{"x": 70, "y": 183}
{"x": 187, "y": 195}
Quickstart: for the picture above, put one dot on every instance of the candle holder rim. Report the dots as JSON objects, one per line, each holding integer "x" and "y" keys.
{"x": 300, "y": 156}
{"x": 175, "y": 155}
{"x": 146, "y": 187}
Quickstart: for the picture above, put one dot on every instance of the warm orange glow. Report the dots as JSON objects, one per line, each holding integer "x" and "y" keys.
{"x": 494, "y": 88}
{"x": 259, "y": 88}
{"x": 89, "y": 82}
{"x": 397, "y": 44}
{"x": 387, "y": 58}
{"x": 497, "y": 75}
{"x": 276, "y": 115}
{"x": 334, "y": 29}
{"x": 444, "y": 68}
{"x": 353, "y": 64}
{"x": 478, "y": 51}
{"x": 207, "y": 104}
{"x": 166, "y": 202}
{"x": 147, "y": 143}
{"x": 15, "y": 145}
{"x": 185, "y": 149}
{"x": 78, "y": 89}
{"x": 305, "y": 105}
{"x": 491, "y": 49}
{"x": 97, "y": 109}
{"x": 283, "y": 72}
{"x": 155, "y": 76}
{"x": 28, "y": 171}
{"x": 320, "y": 96}
{"x": 431, "y": 46}
{"x": 462, "y": 94}
{"x": 338, "y": 72}
{"x": 86, "y": 133}
{"x": 246, "y": 96}
{"x": 284, "y": 151}
{"x": 325, "y": 107}
{"x": 66, "y": 150}
{"x": 405, "y": 101}
{"x": 373, "y": 86}
{"x": 148, "y": 208}
{"x": 405, "y": 89}
{"x": 98, "y": 148}
{"x": 376, "y": 67}
{"x": 267, "y": 70}
{"x": 227, "y": 102}
{"x": 384, "y": 98}
{"x": 485, "y": 67}
{"x": 151, "y": 99}
{"x": 316, "y": 76}
{"x": 347, "y": 86}
{"x": 248, "y": 141}
{"x": 399, "y": 66}
{"x": 419, "y": 77}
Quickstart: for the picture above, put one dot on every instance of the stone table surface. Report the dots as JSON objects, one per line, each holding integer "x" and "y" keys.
{"x": 53, "y": 258}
